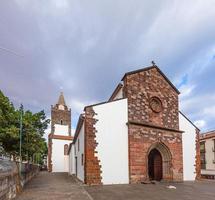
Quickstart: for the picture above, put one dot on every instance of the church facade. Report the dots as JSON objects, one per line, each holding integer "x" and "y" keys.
{"x": 138, "y": 135}
{"x": 60, "y": 137}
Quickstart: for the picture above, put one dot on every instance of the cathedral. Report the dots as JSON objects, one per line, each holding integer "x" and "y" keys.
{"x": 60, "y": 136}
{"x": 137, "y": 135}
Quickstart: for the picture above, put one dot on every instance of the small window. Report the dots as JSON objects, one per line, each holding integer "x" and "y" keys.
{"x": 82, "y": 159}
{"x": 66, "y": 148}
{"x": 78, "y": 145}
{"x": 61, "y": 122}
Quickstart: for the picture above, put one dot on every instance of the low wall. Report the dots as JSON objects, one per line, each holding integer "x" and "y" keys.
{"x": 9, "y": 177}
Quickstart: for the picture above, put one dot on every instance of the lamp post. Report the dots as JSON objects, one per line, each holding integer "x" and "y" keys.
{"x": 20, "y": 140}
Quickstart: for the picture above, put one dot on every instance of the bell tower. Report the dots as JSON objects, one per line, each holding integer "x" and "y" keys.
{"x": 60, "y": 115}
{"x": 60, "y": 136}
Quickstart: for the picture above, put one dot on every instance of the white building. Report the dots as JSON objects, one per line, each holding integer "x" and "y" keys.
{"x": 207, "y": 149}
{"x": 137, "y": 135}
{"x": 60, "y": 137}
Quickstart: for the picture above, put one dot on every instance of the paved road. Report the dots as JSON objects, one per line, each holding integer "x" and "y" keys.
{"x": 53, "y": 186}
{"x": 203, "y": 190}
{"x": 60, "y": 186}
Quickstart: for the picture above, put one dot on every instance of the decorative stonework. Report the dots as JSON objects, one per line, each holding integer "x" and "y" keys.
{"x": 155, "y": 104}
{"x": 141, "y": 139}
{"x": 92, "y": 163}
{"x": 153, "y": 111}
{"x": 140, "y": 87}
{"x": 198, "y": 157}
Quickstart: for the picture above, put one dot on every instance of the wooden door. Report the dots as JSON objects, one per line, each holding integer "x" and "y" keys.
{"x": 157, "y": 167}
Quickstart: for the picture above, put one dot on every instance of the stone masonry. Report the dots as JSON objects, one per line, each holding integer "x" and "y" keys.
{"x": 152, "y": 123}
{"x": 58, "y": 115}
{"x": 92, "y": 163}
{"x": 198, "y": 156}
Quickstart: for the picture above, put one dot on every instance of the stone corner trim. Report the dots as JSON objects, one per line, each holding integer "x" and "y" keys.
{"x": 50, "y": 152}
{"x": 153, "y": 125}
{"x": 92, "y": 163}
{"x": 198, "y": 157}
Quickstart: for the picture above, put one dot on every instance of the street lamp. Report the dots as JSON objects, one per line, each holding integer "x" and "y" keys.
{"x": 20, "y": 140}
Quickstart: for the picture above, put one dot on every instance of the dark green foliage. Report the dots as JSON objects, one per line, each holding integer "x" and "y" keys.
{"x": 34, "y": 126}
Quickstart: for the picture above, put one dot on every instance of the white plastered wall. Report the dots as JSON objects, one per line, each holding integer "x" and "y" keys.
{"x": 72, "y": 160}
{"x": 189, "y": 148}
{"x": 119, "y": 95}
{"x": 59, "y": 160}
{"x": 209, "y": 154}
{"x": 78, "y": 153}
{"x": 112, "y": 139}
{"x": 61, "y": 129}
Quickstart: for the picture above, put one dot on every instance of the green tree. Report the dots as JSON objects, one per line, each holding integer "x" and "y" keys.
{"x": 9, "y": 126}
{"x": 34, "y": 126}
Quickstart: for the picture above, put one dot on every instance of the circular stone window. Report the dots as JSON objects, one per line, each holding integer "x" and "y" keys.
{"x": 155, "y": 104}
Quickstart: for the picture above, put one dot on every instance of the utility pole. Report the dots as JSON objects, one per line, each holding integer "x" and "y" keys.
{"x": 20, "y": 140}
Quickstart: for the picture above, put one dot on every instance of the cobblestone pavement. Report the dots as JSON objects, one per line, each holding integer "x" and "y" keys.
{"x": 53, "y": 186}
{"x": 184, "y": 191}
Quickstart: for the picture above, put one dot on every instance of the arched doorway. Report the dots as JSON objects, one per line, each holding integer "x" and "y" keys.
{"x": 159, "y": 162}
{"x": 155, "y": 168}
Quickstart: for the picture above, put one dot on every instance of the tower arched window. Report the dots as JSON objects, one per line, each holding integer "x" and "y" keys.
{"x": 61, "y": 122}
{"x": 66, "y": 148}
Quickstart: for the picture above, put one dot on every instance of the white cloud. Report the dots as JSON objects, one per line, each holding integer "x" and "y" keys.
{"x": 85, "y": 47}
{"x": 186, "y": 90}
{"x": 200, "y": 124}
{"x": 209, "y": 111}
{"x": 77, "y": 106}
{"x": 47, "y": 132}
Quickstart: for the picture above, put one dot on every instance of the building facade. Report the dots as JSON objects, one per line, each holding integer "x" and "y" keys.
{"x": 60, "y": 137}
{"x": 207, "y": 151}
{"x": 137, "y": 135}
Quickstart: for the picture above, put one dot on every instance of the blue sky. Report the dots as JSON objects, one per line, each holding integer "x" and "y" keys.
{"x": 84, "y": 48}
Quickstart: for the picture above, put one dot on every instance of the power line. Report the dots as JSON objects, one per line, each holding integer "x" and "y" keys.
{"x": 10, "y": 51}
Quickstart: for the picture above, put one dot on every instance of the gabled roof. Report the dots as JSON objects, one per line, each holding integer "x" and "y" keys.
{"x": 104, "y": 102}
{"x": 78, "y": 127}
{"x": 207, "y": 135}
{"x": 149, "y": 68}
{"x": 61, "y": 100}
{"x": 188, "y": 120}
{"x": 119, "y": 86}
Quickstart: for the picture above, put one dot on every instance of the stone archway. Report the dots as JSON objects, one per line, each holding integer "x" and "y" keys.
{"x": 155, "y": 166}
{"x": 159, "y": 162}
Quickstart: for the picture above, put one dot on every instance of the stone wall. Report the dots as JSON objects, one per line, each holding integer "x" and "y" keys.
{"x": 92, "y": 163}
{"x": 153, "y": 121}
{"x": 142, "y": 140}
{"x": 9, "y": 178}
{"x": 198, "y": 156}
{"x": 140, "y": 89}
{"x": 57, "y": 115}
